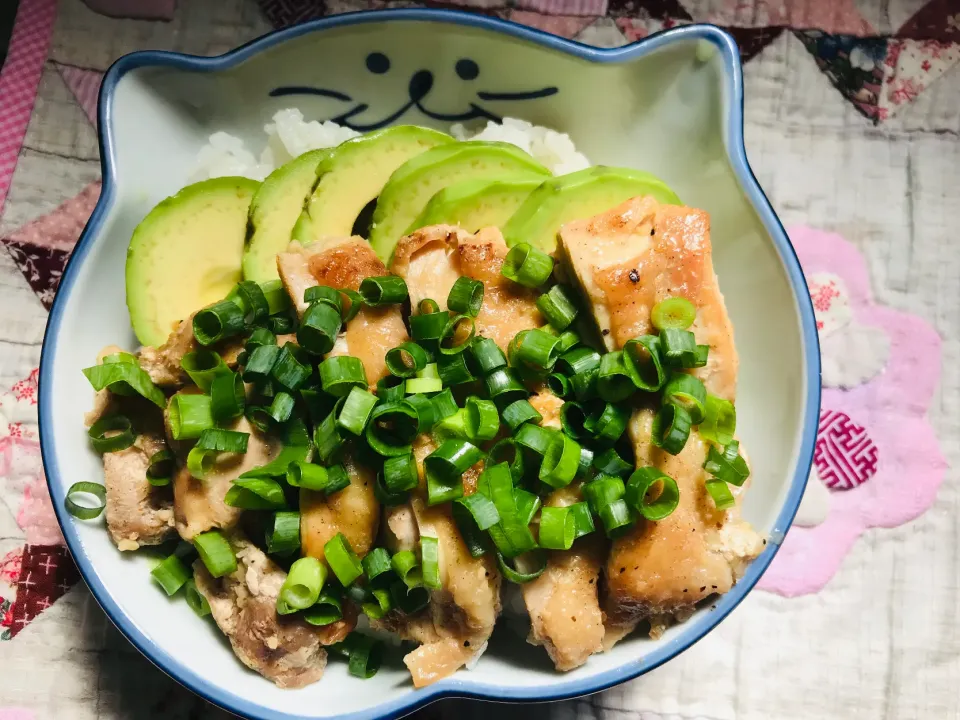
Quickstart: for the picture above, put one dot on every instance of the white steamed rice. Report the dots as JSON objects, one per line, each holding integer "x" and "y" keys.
{"x": 290, "y": 135}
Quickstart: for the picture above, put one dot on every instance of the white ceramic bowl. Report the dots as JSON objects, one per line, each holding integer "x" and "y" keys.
{"x": 670, "y": 104}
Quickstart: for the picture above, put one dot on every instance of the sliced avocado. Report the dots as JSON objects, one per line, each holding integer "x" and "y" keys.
{"x": 411, "y": 186}
{"x": 576, "y": 196}
{"x": 355, "y": 173}
{"x": 186, "y": 253}
{"x": 274, "y": 211}
{"x": 475, "y": 204}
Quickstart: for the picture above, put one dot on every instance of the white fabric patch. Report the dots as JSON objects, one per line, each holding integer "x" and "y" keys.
{"x": 815, "y": 505}
{"x": 854, "y": 356}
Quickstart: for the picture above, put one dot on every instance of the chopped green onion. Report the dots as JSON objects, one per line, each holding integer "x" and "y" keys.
{"x": 453, "y": 369}
{"x": 558, "y": 307}
{"x": 351, "y": 304}
{"x": 342, "y": 560}
{"x": 276, "y": 295}
{"x": 217, "y": 322}
{"x": 340, "y": 373}
{"x": 614, "y": 383}
{"x": 616, "y": 518}
{"x": 719, "y": 420}
{"x": 558, "y": 384}
{"x": 487, "y": 355}
{"x": 504, "y": 387}
{"x": 189, "y": 415}
{"x": 444, "y": 404}
{"x": 679, "y": 348}
{"x": 429, "y": 370}
{"x": 671, "y": 428}
{"x": 519, "y": 412}
{"x": 365, "y": 656}
{"x": 391, "y": 387}
{"x": 426, "y": 411}
{"x": 171, "y": 574}
{"x": 642, "y": 359}
{"x": 534, "y": 349}
{"x": 216, "y": 553}
{"x": 528, "y": 505}
{"x": 407, "y": 568}
{"x": 111, "y": 433}
{"x": 481, "y": 509}
{"x": 452, "y": 339}
{"x": 610, "y": 463}
{"x": 392, "y": 428}
{"x": 662, "y": 504}
{"x": 283, "y": 532}
{"x": 453, "y": 426}
{"x": 687, "y": 392}
{"x": 337, "y": 479}
{"x": 160, "y": 469}
{"x": 281, "y": 408}
{"x": 376, "y": 603}
{"x": 123, "y": 378}
{"x": 573, "y": 420}
{"x": 581, "y": 365}
{"x": 213, "y": 441}
{"x": 427, "y": 306}
{"x": 326, "y": 611}
{"x": 292, "y": 368}
{"x": 301, "y": 589}
{"x": 383, "y": 290}
{"x": 203, "y": 366}
{"x": 585, "y": 466}
{"x": 356, "y": 411}
{"x": 327, "y": 438}
{"x": 307, "y": 475}
{"x": 319, "y": 327}
{"x": 727, "y": 466}
{"x": 427, "y": 329}
{"x": 470, "y": 532}
{"x": 558, "y": 528}
{"x": 227, "y": 397}
{"x": 252, "y": 300}
{"x": 406, "y": 359}
{"x": 296, "y": 447}
{"x": 375, "y": 563}
{"x": 583, "y": 519}
{"x": 120, "y": 357}
{"x": 482, "y": 420}
{"x": 508, "y": 451}
{"x": 535, "y": 438}
{"x": 195, "y": 599}
{"x": 281, "y": 324}
{"x": 258, "y": 338}
{"x": 560, "y": 461}
{"x": 720, "y": 492}
{"x": 466, "y": 296}
{"x": 702, "y": 354}
{"x": 444, "y": 469}
{"x": 86, "y": 511}
{"x": 609, "y": 423}
{"x": 674, "y": 313}
{"x": 400, "y": 473}
{"x": 420, "y": 385}
{"x": 255, "y": 493}
{"x": 603, "y": 490}
{"x": 259, "y": 417}
{"x": 527, "y": 265}
{"x": 430, "y": 561}
{"x": 260, "y": 364}
{"x": 324, "y": 294}
{"x": 534, "y": 563}
{"x": 567, "y": 341}
{"x": 511, "y": 535}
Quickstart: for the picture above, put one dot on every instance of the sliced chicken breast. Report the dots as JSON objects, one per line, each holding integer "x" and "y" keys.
{"x": 284, "y": 649}
{"x": 343, "y": 263}
{"x": 432, "y": 258}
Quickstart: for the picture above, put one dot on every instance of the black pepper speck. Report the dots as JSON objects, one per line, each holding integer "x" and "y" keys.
{"x": 634, "y": 276}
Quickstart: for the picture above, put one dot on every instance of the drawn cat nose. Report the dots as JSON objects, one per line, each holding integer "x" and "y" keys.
{"x": 420, "y": 84}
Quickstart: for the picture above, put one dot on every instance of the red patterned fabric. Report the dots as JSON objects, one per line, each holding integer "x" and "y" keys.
{"x": 47, "y": 572}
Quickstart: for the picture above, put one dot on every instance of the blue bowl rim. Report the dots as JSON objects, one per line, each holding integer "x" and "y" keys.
{"x": 457, "y": 686}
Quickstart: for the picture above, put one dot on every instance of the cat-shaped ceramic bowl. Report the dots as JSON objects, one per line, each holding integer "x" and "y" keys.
{"x": 670, "y": 104}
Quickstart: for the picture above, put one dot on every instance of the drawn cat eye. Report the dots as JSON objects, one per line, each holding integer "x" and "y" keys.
{"x": 467, "y": 69}
{"x": 378, "y": 63}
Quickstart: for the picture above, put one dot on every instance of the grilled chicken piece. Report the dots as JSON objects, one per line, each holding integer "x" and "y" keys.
{"x": 137, "y": 512}
{"x": 626, "y": 261}
{"x": 354, "y": 511}
{"x": 641, "y": 252}
{"x": 563, "y": 603}
{"x": 198, "y": 505}
{"x": 284, "y": 649}
{"x": 343, "y": 263}
{"x": 432, "y": 258}
{"x": 162, "y": 363}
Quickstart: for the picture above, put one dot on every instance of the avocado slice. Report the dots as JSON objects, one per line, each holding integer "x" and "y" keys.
{"x": 354, "y": 174}
{"x": 412, "y": 186}
{"x": 186, "y": 253}
{"x": 475, "y": 204}
{"x": 274, "y": 211}
{"x": 579, "y": 195}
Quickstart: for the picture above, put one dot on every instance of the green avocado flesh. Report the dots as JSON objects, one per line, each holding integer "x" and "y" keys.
{"x": 576, "y": 196}
{"x": 274, "y": 211}
{"x": 409, "y": 190}
{"x": 354, "y": 174}
{"x": 185, "y": 254}
{"x": 475, "y": 204}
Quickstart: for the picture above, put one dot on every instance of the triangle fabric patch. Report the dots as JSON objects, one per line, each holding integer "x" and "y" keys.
{"x": 47, "y": 572}
{"x": 85, "y": 86}
{"x": 752, "y": 41}
{"x": 911, "y": 67}
{"x": 563, "y": 25}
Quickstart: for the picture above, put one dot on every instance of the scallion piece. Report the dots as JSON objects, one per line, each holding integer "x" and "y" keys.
{"x": 319, "y": 327}
{"x": 351, "y": 304}
{"x": 392, "y": 428}
{"x": 474, "y": 514}
{"x": 585, "y": 467}
{"x": 720, "y": 492}
{"x": 558, "y": 528}
{"x": 252, "y": 300}
{"x": 573, "y": 420}
{"x": 427, "y": 329}
{"x": 679, "y": 348}
{"x": 292, "y": 368}
{"x": 283, "y": 532}
{"x": 203, "y": 366}
{"x": 614, "y": 383}
{"x": 528, "y": 505}
{"x": 609, "y": 462}
{"x": 327, "y": 438}
{"x": 322, "y": 293}
{"x": 419, "y": 385}
{"x": 687, "y": 392}
{"x": 487, "y": 355}
{"x": 260, "y": 364}
{"x": 444, "y": 404}
{"x": 453, "y": 426}
{"x": 641, "y": 356}
{"x": 384, "y": 496}
{"x": 212, "y": 442}
{"x": 427, "y": 306}
{"x": 375, "y": 564}
{"x": 364, "y": 656}
{"x": 567, "y": 341}
{"x": 407, "y": 568}
{"x": 258, "y": 338}
{"x": 195, "y": 599}
{"x": 189, "y": 415}
{"x": 455, "y": 338}
{"x": 160, "y": 469}
{"x": 426, "y": 411}
{"x": 281, "y": 324}
{"x": 400, "y": 473}
{"x": 673, "y": 313}
{"x": 227, "y": 397}
{"x": 215, "y": 552}
{"x": 429, "y": 371}
{"x": 527, "y": 265}
{"x": 719, "y": 420}
{"x": 337, "y": 479}
{"x": 217, "y": 322}
{"x": 296, "y": 447}
{"x": 519, "y": 412}
{"x": 444, "y": 468}
{"x": 581, "y": 365}
{"x": 534, "y": 349}
{"x": 171, "y": 574}
{"x": 391, "y": 387}
{"x": 260, "y": 417}
{"x": 356, "y": 411}
{"x": 124, "y": 378}
{"x": 466, "y": 296}
{"x": 603, "y": 490}
{"x": 276, "y": 296}
{"x": 511, "y": 535}
{"x": 482, "y": 420}
{"x": 85, "y": 491}
{"x": 430, "y": 561}
{"x": 342, "y": 560}
{"x": 504, "y": 387}
{"x": 327, "y": 610}
{"x": 255, "y": 493}
{"x": 560, "y": 461}
{"x": 508, "y": 451}
{"x": 558, "y": 307}
{"x": 615, "y": 518}
{"x": 453, "y": 369}
{"x": 281, "y": 407}
{"x": 558, "y": 384}
{"x": 120, "y": 357}
{"x": 406, "y": 359}
{"x": 609, "y": 423}
{"x": 583, "y": 519}
{"x": 111, "y": 433}
{"x": 727, "y": 465}
{"x": 340, "y": 373}
{"x": 524, "y": 569}
{"x": 383, "y": 290}
{"x": 535, "y": 438}
{"x": 671, "y": 428}
{"x": 302, "y": 587}
{"x": 309, "y": 476}
{"x": 652, "y": 493}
